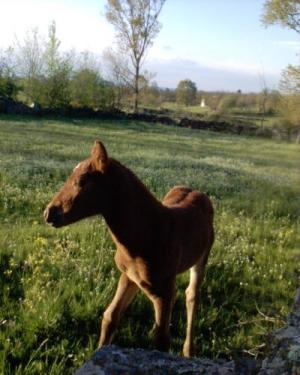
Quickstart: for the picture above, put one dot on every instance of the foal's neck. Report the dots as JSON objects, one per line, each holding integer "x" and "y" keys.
{"x": 132, "y": 210}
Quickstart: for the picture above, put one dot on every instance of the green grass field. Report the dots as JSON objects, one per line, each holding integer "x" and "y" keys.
{"x": 55, "y": 284}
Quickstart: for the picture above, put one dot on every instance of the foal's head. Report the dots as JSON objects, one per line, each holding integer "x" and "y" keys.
{"x": 83, "y": 194}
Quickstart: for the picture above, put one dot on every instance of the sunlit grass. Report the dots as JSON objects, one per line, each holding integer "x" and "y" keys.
{"x": 249, "y": 115}
{"x": 195, "y": 109}
{"x": 55, "y": 284}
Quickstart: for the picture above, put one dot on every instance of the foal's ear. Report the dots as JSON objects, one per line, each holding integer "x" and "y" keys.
{"x": 100, "y": 157}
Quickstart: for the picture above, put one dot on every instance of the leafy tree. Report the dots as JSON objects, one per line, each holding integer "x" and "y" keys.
{"x": 287, "y": 14}
{"x": 88, "y": 89}
{"x": 120, "y": 74}
{"x": 284, "y": 12}
{"x": 30, "y": 63}
{"x": 186, "y": 92}
{"x": 136, "y": 24}
{"x": 227, "y": 102}
{"x": 58, "y": 73}
{"x": 168, "y": 95}
{"x": 290, "y": 100}
{"x": 85, "y": 87}
{"x": 8, "y": 87}
{"x": 213, "y": 99}
{"x": 290, "y": 80}
{"x": 151, "y": 95}
{"x": 44, "y": 72}
{"x": 8, "y": 80}
{"x": 289, "y": 123}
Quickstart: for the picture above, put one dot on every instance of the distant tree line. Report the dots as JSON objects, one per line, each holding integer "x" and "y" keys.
{"x": 37, "y": 72}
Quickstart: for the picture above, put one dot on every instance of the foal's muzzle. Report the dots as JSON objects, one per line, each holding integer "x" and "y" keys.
{"x": 54, "y": 216}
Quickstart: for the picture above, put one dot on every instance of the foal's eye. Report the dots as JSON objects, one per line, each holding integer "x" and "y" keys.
{"x": 81, "y": 181}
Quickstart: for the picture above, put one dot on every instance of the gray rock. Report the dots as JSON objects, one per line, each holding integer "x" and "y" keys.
{"x": 112, "y": 360}
{"x": 283, "y": 358}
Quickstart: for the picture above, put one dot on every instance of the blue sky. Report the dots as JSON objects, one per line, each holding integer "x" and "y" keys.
{"x": 219, "y": 44}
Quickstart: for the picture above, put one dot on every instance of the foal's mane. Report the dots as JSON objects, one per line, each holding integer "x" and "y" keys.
{"x": 133, "y": 182}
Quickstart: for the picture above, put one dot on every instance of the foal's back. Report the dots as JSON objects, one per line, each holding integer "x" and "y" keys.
{"x": 192, "y": 225}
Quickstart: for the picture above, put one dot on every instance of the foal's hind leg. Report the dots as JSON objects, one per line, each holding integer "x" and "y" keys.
{"x": 192, "y": 300}
{"x": 126, "y": 290}
{"x": 162, "y": 297}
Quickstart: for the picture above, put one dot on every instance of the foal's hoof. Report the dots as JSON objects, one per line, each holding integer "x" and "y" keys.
{"x": 162, "y": 343}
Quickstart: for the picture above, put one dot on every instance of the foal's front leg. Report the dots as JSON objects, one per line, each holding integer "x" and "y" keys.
{"x": 126, "y": 290}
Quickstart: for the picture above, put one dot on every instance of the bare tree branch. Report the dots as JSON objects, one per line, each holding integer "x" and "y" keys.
{"x": 136, "y": 24}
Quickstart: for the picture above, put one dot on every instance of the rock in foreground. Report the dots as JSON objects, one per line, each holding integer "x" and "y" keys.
{"x": 112, "y": 360}
{"x": 283, "y": 358}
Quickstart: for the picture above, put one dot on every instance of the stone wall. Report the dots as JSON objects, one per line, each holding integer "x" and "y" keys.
{"x": 283, "y": 358}
{"x": 12, "y": 107}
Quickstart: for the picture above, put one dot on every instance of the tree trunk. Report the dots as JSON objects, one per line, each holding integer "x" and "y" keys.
{"x": 136, "y": 89}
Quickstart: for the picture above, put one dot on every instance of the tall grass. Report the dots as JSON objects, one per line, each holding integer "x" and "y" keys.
{"x": 55, "y": 284}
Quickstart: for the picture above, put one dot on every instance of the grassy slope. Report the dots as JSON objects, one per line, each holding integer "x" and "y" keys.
{"x": 251, "y": 116}
{"x": 55, "y": 284}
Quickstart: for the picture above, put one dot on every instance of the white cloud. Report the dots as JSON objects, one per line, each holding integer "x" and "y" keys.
{"x": 292, "y": 44}
{"x": 254, "y": 68}
{"x": 234, "y": 66}
{"x": 209, "y": 76}
{"x": 230, "y": 65}
{"x": 78, "y": 27}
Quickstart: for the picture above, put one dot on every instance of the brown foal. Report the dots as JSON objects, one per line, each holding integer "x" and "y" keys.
{"x": 155, "y": 240}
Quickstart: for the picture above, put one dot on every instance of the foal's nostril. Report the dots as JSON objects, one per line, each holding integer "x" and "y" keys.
{"x": 53, "y": 215}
